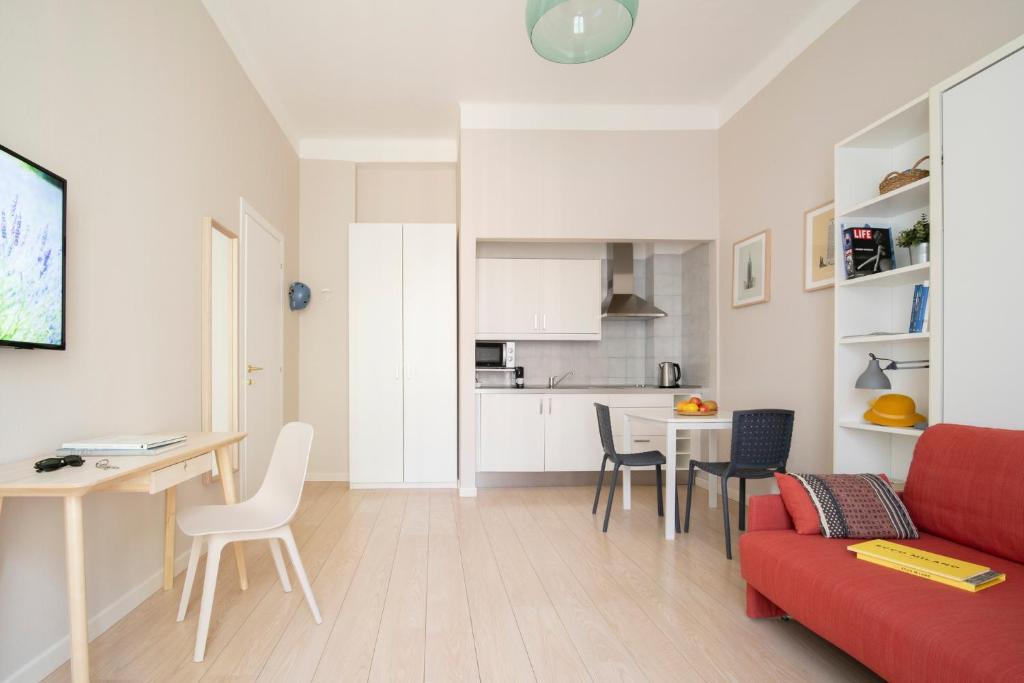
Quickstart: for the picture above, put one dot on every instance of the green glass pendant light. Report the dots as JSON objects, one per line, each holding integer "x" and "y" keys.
{"x": 577, "y": 31}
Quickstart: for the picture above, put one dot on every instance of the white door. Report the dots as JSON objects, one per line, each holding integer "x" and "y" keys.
{"x": 375, "y": 353}
{"x": 511, "y": 433}
{"x": 262, "y": 359}
{"x": 572, "y": 442}
{"x": 430, "y": 350}
{"x": 571, "y": 294}
{"x": 983, "y": 166}
{"x": 508, "y": 297}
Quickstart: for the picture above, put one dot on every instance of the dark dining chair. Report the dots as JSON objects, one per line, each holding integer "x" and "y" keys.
{"x": 644, "y": 459}
{"x": 760, "y": 448}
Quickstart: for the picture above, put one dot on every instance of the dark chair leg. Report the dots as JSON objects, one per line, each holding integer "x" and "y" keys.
{"x": 725, "y": 517}
{"x": 600, "y": 482}
{"x": 658, "y": 485}
{"x": 743, "y": 504}
{"x": 611, "y": 496}
{"x": 689, "y": 494}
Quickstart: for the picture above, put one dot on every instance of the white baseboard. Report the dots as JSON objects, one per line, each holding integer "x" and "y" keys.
{"x": 404, "y": 485}
{"x": 54, "y": 656}
{"x": 326, "y": 476}
{"x": 467, "y": 492}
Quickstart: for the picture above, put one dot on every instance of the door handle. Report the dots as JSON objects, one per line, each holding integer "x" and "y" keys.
{"x": 549, "y": 405}
{"x": 544, "y": 322}
{"x": 252, "y": 368}
{"x": 542, "y": 406}
{"x": 536, "y": 326}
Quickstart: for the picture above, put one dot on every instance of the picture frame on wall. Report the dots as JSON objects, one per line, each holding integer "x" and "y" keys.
{"x": 751, "y": 270}
{"x": 820, "y": 247}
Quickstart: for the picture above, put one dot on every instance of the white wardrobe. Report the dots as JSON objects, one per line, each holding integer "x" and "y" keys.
{"x": 979, "y": 218}
{"x": 402, "y": 355}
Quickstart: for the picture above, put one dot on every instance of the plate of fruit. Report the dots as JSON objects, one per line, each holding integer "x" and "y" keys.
{"x": 696, "y": 407}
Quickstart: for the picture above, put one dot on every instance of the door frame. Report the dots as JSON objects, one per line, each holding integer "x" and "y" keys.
{"x": 209, "y": 225}
{"x": 245, "y": 208}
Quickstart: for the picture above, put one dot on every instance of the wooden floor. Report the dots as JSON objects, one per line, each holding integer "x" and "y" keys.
{"x": 516, "y": 585}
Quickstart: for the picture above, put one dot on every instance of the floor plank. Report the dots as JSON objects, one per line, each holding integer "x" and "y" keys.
{"x": 516, "y": 585}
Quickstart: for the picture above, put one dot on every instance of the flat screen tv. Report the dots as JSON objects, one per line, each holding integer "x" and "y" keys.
{"x": 33, "y": 208}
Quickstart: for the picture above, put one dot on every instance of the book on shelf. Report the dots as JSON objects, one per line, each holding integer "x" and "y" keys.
{"x": 867, "y": 250}
{"x": 928, "y": 565}
{"x": 919, "y": 309}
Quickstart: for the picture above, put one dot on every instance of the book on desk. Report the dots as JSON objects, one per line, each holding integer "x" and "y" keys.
{"x": 123, "y": 444}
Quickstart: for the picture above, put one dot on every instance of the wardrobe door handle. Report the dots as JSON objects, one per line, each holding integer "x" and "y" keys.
{"x": 541, "y": 406}
{"x": 544, "y": 322}
{"x": 549, "y": 406}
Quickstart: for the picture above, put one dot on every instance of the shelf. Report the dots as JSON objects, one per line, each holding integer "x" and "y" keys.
{"x": 907, "y": 275}
{"x": 884, "y": 338}
{"x": 868, "y": 427}
{"x": 895, "y": 203}
{"x": 904, "y": 124}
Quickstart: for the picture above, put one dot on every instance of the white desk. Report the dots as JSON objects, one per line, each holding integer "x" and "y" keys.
{"x": 136, "y": 474}
{"x": 675, "y": 423}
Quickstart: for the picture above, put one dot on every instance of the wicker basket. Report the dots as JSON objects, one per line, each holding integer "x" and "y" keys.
{"x": 898, "y": 179}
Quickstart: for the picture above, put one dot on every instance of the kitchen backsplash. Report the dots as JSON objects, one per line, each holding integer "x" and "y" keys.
{"x": 630, "y": 350}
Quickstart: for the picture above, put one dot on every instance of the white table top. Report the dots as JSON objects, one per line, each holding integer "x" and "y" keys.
{"x": 720, "y": 420}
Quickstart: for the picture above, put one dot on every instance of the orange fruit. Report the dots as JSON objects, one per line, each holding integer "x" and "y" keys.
{"x": 695, "y": 400}
{"x": 712, "y": 405}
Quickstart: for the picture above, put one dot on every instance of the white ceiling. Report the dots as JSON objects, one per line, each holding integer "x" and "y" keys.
{"x": 399, "y": 69}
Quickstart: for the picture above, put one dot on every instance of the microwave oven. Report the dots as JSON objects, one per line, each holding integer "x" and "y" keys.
{"x": 495, "y": 354}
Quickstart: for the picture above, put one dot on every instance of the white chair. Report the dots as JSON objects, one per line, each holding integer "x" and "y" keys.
{"x": 264, "y": 516}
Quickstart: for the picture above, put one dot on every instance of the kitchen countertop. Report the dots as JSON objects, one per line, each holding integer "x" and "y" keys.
{"x": 589, "y": 389}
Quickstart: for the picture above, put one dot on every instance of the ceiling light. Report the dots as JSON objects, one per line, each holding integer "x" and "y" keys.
{"x": 577, "y": 31}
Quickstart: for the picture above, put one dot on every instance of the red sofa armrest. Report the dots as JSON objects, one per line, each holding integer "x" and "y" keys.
{"x": 767, "y": 513}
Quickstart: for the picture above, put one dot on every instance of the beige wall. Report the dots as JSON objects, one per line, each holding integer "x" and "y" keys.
{"x": 405, "y": 193}
{"x": 547, "y": 184}
{"x": 143, "y": 108}
{"x": 326, "y": 207}
{"x": 776, "y": 160}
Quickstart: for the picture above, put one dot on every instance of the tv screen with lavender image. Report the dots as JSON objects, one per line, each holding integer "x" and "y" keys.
{"x": 32, "y": 214}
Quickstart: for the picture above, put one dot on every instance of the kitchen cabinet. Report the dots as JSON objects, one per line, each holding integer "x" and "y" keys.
{"x": 557, "y": 431}
{"x": 402, "y": 354}
{"x": 572, "y": 442}
{"x": 523, "y": 299}
{"x": 511, "y": 433}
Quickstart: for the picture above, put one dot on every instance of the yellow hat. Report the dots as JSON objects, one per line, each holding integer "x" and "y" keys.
{"x": 893, "y": 410}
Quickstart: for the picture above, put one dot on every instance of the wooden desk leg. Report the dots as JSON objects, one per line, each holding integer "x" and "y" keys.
{"x": 170, "y": 510}
{"x": 226, "y": 470}
{"x": 78, "y": 616}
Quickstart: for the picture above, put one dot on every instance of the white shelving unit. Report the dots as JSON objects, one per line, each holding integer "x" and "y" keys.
{"x": 881, "y": 302}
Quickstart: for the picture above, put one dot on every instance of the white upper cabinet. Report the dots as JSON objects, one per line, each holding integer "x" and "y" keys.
{"x": 571, "y": 297}
{"x": 538, "y": 299}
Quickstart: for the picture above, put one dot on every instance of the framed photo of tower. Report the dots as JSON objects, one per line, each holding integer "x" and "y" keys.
{"x": 819, "y": 247}
{"x": 751, "y": 270}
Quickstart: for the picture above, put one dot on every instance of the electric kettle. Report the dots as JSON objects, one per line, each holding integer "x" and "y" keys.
{"x": 669, "y": 374}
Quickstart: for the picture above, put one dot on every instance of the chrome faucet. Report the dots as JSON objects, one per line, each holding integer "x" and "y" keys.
{"x": 555, "y": 381}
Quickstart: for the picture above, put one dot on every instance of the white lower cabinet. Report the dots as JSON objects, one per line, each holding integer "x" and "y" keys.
{"x": 511, "y": 433}
{"x": 558, "y": 432}
{"x": 572, "y": 442}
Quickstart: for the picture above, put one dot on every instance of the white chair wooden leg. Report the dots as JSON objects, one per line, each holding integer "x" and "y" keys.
{"x": 282, "y": 571}
{"x": 209, "y": 587}
{"x": 300, "y": 572}
{"x": 190, "y": 576}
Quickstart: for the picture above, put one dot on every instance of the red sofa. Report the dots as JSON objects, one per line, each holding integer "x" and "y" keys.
{"x": 965, "y": 493}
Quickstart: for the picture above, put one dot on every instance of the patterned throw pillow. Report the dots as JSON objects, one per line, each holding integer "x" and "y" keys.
{"x": 857, "y": 506}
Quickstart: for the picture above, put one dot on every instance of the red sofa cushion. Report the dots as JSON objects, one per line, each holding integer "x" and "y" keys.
{"x": 965, "y": 485}
{"x": 905, "y": 628}
{"x": 798, "y": 504}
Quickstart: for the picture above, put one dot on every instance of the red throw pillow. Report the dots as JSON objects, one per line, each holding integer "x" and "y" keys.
{"x": 799, "y": 504}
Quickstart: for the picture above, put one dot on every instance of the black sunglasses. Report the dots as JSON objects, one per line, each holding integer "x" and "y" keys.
{"x": 51, "y": 464}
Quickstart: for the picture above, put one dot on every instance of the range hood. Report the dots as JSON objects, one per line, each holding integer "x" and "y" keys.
{"x": 622, "y": 301}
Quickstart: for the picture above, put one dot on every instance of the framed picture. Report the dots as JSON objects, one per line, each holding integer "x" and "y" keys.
{"x": 820, "y": 247}
{"x": 751, "y": 270}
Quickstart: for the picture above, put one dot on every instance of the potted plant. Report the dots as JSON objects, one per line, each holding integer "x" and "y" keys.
{"x": 915, "y": 240}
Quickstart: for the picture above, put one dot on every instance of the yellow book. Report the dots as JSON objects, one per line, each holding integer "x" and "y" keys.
{"x": 947, "y": 570}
